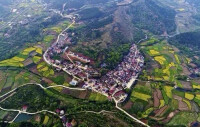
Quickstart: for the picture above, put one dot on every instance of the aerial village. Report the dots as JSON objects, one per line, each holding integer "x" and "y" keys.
{"x": 79, "y": 67}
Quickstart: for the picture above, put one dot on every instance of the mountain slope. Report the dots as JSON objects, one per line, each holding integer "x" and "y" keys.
{"x": 152, "y": 16}
{"x": 190, "y": 39}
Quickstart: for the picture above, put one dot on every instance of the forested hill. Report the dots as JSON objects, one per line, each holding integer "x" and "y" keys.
{"x": 146, "y": 14}
{"x": 191, "y": 39}
{"x": 153, "y": 16}
{"x": 58, "y": 4}
{"x": 3, "y": 9}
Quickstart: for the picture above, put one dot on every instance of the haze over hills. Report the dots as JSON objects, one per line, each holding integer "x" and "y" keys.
{"x": 80, "y": 63}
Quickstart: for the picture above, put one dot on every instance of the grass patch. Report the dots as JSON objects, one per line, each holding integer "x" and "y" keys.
{"x": 58, "y": 80}
{"x": 97, "y": 97}
{"x": 56, "y": 29}
{"x": 147, "y": 112}
{"x": 183, "y": 119}
{"x": 48, "y": 39}
{"x": 178, "y": 93}
{"x": 166, "y": 98}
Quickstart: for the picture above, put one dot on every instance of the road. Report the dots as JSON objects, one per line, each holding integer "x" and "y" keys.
{"x": 135, "y": 119}
{"x": 116, "y": 102}
{"x": 44, "y": 56}
{"x": 41, "y": 87}
{"x": 80, "y": 89}
{"x": 51, "y": 112}
{"x": 38, "y": 112}
{"x": 146, "y": 37}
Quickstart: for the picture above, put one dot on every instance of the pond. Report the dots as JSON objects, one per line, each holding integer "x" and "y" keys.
{"x": 183, "y": 90}
{"x": 23, "y": 117}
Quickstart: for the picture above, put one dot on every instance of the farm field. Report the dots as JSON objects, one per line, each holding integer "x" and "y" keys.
{"x": 167, "y": 61}
{"x": 44, "y": 69}
{"x": 164, "y": 92}
{"x": 3, "y": 114}
{"x": 52, "y": 100}
{"x": 20, "y": 59}
{"x": 97, "y": 97}
{"x": 59, "y": 27}
{"x": 29, "y": 57}
{"x": 184, "y": 119}
{"x": 14, "y": 78}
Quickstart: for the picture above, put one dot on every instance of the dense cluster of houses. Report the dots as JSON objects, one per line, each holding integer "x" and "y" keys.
{"x": 74, "y": 64}
{"x": 77, "y": 65}
{"x": 79, "y": 57}
{"x": 115, "y": 81}
{"x": 128, "y": 69}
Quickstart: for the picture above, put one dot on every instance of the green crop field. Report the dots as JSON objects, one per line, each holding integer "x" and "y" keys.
{"x": 46, "y": 120}
{"x": 168, "y": 90}
{"x": 183, "y": 119}
{"x": 48, "y": 39}
{"x": 141, "y": 96}
{"x": 97, "y": 97}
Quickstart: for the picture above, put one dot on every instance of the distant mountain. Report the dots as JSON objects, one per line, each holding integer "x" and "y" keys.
{"x": 143, "y": 14}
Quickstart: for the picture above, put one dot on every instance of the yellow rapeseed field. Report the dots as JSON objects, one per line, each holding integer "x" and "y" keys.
{"x": 168, "y": 90}
{"x": 141, "y": 96}
{"x": 196, "y": 86}
{"x": 160, "y": 59}
{"x": 189, "y": 96}
{"x": 154, "y": 52}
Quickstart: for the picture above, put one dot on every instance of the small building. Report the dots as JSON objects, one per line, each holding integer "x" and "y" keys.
{"x": 57, "y": 111}
{"x": 24, "y": 108}
{"x": 73, "y": 82}
{"x": 64, "y": 119}
{"x": 73, "y": 123}
{"x": 68, "y": 124}
{"x": 62, "y": 112}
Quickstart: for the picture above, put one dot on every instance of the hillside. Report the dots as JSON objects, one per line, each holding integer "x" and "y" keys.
{"x": 116, "y": 62}
{"x": 189, "y": 44}
{"x": 152, "y": 16}
{"x": 108, "y": 28}
{"x": 189, "y": 39}
{"x": 195, "y": 3}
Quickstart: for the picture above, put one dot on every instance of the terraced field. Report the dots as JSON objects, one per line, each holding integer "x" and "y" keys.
{"x": 14, "y": 78}
{"x": 164, "y": 89}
